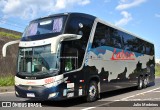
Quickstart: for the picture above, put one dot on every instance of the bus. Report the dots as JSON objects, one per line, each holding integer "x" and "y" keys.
{"x": 70, "y": 55}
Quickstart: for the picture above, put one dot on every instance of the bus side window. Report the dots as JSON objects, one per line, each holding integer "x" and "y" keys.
{"x": 106, "y": 36}
{"x": 115, "y": 38}
{"x": 149, "y": 49}
{"x": 69, "y": 57}
{"x": 101, "y": 36}
{"x": 129, "y": 42}
{"x": 152, "y": 49}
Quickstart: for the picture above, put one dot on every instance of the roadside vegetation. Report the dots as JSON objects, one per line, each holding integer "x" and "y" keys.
{"x": 157, "y": 70}
{"x": 10, "y": 35}
{"x": 7, "y": 80}
{"x": 6, "y": 73}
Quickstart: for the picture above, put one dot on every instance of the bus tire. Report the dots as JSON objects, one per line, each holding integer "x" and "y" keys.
{"x": 92, "y": 91}
{"x": 145, "y": 82}
{"x": 140, "y": 82}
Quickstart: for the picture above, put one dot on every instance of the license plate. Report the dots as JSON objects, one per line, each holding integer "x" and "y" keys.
{"x": 30, "y": 95}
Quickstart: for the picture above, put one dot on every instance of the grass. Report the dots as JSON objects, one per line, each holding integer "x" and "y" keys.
{"x": 7, "y": 80}
{"x": 9, "y": 35}
{"x": 157, "y": 70}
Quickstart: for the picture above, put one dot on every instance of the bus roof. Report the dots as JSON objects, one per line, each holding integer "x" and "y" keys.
{"x": 93, "y": 18}
{"x": 73, "y": 14}
{"x": 121, "y": 29}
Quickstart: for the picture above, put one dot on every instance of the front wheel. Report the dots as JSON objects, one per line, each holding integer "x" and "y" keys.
{"x": 92, "y": 92}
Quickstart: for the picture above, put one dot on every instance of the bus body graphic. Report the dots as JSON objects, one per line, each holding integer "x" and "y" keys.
{"x": 122, "y": 55}
{"x": 70, "y": 55}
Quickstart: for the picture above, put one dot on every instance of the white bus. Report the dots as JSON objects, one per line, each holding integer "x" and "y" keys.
{"x": 70, "y": 55}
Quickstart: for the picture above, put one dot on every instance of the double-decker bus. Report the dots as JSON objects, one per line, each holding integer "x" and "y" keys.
{"x": 70, "y": 55}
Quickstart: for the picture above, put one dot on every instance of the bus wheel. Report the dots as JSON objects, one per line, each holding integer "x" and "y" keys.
{"x": 145, "y": 82}
{"x": 92, "y": 92}
{"x": 140, "y": 82}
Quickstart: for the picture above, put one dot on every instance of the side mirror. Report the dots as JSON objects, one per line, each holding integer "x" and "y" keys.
{"x": 60, "y": 38}
{"x": 4, "y": 48}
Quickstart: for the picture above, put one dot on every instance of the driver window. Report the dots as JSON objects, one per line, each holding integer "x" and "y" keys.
{"x": 69, "y": 57}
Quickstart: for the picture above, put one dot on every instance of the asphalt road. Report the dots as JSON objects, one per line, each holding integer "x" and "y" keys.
{"x": 125, "y": 99}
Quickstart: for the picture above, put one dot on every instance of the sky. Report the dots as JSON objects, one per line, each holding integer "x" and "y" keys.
{"x": 140, "y": 17}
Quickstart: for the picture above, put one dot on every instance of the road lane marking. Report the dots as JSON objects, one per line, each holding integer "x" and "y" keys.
{"x": 7, "y": 92}
{"x": 123, "y": 99}
{"x": 140, "y": 94}
{"x": 98, "y": 105}
{"x": 88, "y": 108}
{"x": 149, "y": 99}
{"x": 155, "y": 91}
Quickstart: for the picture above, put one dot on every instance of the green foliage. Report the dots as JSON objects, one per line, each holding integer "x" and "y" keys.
{"x": 157, "y": 70}
{"x": 4, "y": 34}
{"x": 7, "y": 80}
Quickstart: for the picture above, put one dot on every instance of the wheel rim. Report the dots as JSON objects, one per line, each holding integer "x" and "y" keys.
{"x": 92, "y": 91}
{"x": 140, "y": 83}
{"x": 146, "y": 81}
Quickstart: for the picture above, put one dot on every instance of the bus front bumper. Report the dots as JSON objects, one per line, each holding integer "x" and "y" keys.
{"x": 37, "y": 92}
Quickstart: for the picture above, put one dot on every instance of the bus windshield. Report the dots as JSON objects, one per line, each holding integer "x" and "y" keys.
{"x": 37, "y": 60}
{"x": 45, "y": 26}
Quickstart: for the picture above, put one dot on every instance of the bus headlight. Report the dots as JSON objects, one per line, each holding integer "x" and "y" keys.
{"x": 16, "y": 93}
{"x": 52, "y": 95}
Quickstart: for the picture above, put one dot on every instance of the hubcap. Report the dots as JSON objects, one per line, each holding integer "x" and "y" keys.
{"x": 145, "y": 81}
{"x": 92, "y": 91}
{"x": 140, "y": 83}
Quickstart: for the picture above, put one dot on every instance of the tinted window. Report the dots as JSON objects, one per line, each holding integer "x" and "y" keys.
{"x": 45, "y": 26}
{"x": 141, "y": 46}
{"x": 79, "y": 25}
{"x": 130, "y": 42}
{"x": 152, "y": 49}
{"x": 149, "y": 49}
{"x": 76, "y": 25}
{"x": 101, "y": 36}
{"x": 106, "y": 36}
{"x": 115, "y": 38}
{"x": 69, "y": 56}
